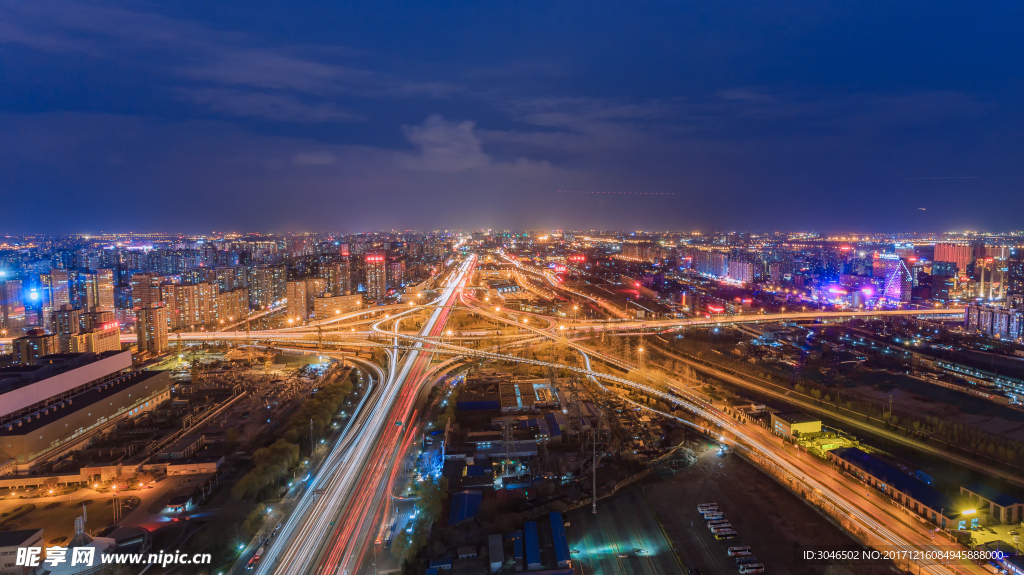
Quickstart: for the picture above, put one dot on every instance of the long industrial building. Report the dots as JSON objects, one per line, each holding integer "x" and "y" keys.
{"x": 54, "y": 406}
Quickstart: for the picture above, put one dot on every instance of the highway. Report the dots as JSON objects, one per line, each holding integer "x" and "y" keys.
{"x": 781, "y": 393}
{"x": 884, "y": 525}
{"x": 311, "y": 516}
{"x": 354, "y": 490}
{"x": 339, "y": 515}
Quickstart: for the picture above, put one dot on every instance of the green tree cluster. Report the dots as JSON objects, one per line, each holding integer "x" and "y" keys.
{"x": 273, "y": 463}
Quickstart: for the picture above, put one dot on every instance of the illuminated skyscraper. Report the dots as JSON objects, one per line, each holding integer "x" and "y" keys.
{"x": 337, "y": 276}
{"x": 376, "y": 274}
{"x": 191, "y": 306}
{"x": 12, "y": 308}
{"x": 104, "y": 280}
{"x": 298, "y": 302}
{"x": 60, "y": 289}
{"x": 960, "y": 254}
{"x": 315, "y": 287}
{"x": 151, "y": 328}
{"x": 145, "y": 290}
{"x": 396, "y": 273}
{"x": 267, "y": 285}
{"x": 897, "y": 280}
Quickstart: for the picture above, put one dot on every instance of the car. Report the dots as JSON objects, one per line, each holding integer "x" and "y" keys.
{"x": 574, "y": 551}
{"x": 623, "y": 555}
{"x": 639, "y": 551}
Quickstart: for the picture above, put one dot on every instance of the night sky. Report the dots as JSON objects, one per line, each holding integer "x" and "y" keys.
{"x": 353, "y": 116}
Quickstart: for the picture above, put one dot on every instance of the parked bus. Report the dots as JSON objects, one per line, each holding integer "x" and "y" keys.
{"x": 713, "y": 515}
{"x": 752, "y": 568}
{"x": 706, "y": 506}
{"x": 727, "y": 534}
{"x": 746, "y": 560}
{"x": 717, "y": 523}
{"x": 738, "y": 551}
{"x": 722, "y": 529}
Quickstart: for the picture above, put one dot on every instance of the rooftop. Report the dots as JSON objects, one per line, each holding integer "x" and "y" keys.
{"x": 792, "y": 417}
{"x": 16, "y": 538}
{"x": 998, "y": 497}
{"x": 900, "y": 481}
{"x": 76, "y": 403}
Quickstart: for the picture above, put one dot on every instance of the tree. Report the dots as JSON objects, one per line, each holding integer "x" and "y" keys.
{"x": 50, "y": 484}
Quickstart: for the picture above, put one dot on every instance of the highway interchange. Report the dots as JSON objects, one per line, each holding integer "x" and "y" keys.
{"x": 338, "y": 516}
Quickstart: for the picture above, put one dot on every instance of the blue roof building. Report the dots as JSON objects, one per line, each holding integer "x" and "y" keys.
{"x": 465, "y": 505}
{"x": 441, "y": 563}
{"x": 561, "y": 542}
{"x": 532, "y": 545}
{"x": 912, "y": 493}
{"x": 1000, "y": 506}
{"x": 517, "y": 548}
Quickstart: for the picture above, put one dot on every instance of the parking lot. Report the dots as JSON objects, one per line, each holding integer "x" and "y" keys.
{"x": 766, "y": 517}
{"x": 624, "y": 537}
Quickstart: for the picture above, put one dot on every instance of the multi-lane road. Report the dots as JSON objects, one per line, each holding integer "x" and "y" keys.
{"x": 340, "y": 515}
{"x": 884, "y": 524}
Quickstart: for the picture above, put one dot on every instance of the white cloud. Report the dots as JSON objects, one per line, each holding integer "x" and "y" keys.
{"x": 444, "y": 146}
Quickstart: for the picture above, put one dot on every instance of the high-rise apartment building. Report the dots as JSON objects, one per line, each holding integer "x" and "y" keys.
{"x": 267, "y": 285}
{"x": 96, "y": 318}
{"x": 1015, "y": 278}
{"x": 103, "y": 288}
{"x": 960, "y": 254}
{"x": 67, "y": 319}
{"x": 60, "y": 288}
{"x": 315, "y": 287}
{"x": 640, "y": 252}
{"x": 337, "y": 276}
{"x": 35, "y": 344}
{"x": 298, "y": 302}
{"x": 711, "y": 263}
{"x": 105, "y": 337}
{"x": 145, "y": 289}
{"x": 231, "y": 306}
{"x": 12, "y": 308}
{"x": 396, "y": 273}
{"x": 741, "y": 271}
{"x": 151, "y": 329}
{"x": 376, "y": 274}
{"x": 191, "y": 306}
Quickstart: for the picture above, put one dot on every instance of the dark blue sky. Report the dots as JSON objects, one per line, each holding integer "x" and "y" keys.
{"x": 244, "y": 115}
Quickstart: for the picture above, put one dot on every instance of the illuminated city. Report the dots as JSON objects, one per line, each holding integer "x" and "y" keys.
{"x": 555, "y": 289}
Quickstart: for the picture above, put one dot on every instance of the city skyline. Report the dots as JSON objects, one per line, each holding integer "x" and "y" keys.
{"x": 552, "y": 288}
{"x": 323, "y": 117}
